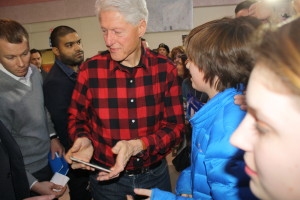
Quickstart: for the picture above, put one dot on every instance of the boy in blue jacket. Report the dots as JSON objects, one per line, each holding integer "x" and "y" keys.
{"x": 220, "y": 64}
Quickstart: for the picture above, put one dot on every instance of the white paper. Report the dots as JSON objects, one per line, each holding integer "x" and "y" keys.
{"x": 59, "y": 179}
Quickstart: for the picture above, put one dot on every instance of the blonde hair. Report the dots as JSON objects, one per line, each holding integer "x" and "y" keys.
{"x": 279, "y": 51}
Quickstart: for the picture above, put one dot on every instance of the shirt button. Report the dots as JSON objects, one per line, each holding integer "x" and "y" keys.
{"x": 131, "y": 100}
{"x": 131, "y": 81}
{"x": 133, "y": 121}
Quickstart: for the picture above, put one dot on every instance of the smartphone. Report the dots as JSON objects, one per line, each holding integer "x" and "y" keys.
{"x": 89, "y": 164}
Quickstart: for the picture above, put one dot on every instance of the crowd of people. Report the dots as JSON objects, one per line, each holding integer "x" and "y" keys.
{"x": 235, "y": 82}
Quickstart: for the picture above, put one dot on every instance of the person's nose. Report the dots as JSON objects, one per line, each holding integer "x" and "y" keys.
{"x": 78, "y": 47}
{"x": 244, "y": 137}
{"x": 20, "y": 62}
{"x": 109, "y": 39}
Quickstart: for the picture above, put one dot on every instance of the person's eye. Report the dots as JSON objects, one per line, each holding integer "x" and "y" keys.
{"x": 10, "y": 57}
{"x": 117, "y": 32}
{"x": 26, "y": 53}
{"x": 261, "y": 129}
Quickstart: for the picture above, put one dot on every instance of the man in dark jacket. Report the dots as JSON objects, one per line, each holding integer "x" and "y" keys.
{"x": 58, "y": 88}
{"x": 13, "y": 180}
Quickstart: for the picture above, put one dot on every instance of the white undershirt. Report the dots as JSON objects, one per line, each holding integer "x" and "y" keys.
{"x": 25, "y": 80}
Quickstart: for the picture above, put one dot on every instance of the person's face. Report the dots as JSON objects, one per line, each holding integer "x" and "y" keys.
{"x": 197, "y": 76}
{"x": 121, "y": 38}
{"x": 69, "y": 50}
{"x": 243, "y": 12}
{"x": 269, "y": 134}
{"x": 36, "y": 59}
{"x": 15, "y": 57}
{"x": 177, "y": 58}
{"x": 180, "y": 69}
{"x": 162, "y": 51}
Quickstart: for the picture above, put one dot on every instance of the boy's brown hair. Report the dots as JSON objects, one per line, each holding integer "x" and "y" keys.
{"x": 221, "y": 48}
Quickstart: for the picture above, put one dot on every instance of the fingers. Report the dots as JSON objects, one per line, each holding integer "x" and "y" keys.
{"x": 75, "y": 148}
{"x": 186, "y": 195}
{"x": 61, "y": 152}
{"x": 43, "y": 197}
{"x": 52, "y": 155}
{"x": 76, "y": 165}
{"x": 143, "y": 192}
{"x": 116, "y": 148}
{"x": 68, "y": 155}
{"x": 59, "y": 190}
{"x": 104, "y": 176}
{"x": 244, "y": 107}
{"x": 239, "y": 99}
{"x": 252, "y": 9}
{"x": 129, "y": 197}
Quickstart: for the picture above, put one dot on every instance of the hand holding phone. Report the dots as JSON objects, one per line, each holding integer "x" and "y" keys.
{"x": 90, "y": 164}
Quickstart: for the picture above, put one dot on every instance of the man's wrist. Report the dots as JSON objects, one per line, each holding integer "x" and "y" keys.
{"x": 53, "y": 137}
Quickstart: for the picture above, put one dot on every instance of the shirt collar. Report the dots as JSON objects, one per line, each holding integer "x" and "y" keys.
{"x": 25, "y": 80}
{"x": 67, "y": 70}
{"x": 118, "y": 65}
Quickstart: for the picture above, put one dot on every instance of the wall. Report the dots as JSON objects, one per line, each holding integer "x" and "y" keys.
{"x": 89, "y": 31}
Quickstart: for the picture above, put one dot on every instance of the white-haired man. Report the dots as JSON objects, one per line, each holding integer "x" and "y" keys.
{"x": 126, "y": 110}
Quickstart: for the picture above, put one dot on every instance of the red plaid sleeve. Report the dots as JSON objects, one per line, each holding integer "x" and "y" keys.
{"x": 170, "y": 132}
{"x": 79, "y": 118}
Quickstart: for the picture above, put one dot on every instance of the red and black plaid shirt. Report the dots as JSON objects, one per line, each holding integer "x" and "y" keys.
{"x": 112, "y": 103}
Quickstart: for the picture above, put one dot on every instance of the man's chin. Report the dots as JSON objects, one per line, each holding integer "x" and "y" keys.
{"x": 117, "y": 57}
{"x": 23, "y": 74}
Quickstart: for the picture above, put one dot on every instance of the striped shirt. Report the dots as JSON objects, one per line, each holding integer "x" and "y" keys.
{"x": 110, "y": 103}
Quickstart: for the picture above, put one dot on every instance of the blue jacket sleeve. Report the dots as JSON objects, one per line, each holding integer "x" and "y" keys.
{"x": 184, "y": 182}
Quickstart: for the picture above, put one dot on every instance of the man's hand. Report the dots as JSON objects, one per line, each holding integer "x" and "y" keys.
{"x": 260, "y": 10}
{"x": 241, "y": 101}
{"x": 124, "y": 150}
{"x": 83, "y": 150}
{"x": 56, "y": 147}
{"x": 142, "y": 192}
{"x": 47, "y": 188}
{"x": 148, "y": 193}
{"x": 44, "y": 197}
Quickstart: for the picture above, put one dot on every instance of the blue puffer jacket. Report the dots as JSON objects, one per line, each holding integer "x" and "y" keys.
{"x": 217, "y": 169}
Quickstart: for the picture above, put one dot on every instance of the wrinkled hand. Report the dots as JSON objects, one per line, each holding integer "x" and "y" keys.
{"x": 241, "y": 101}
{"x": 44, "y": 197}
{"x": 83, "y": 150}
{"x": 124, "y": 150}
{"x": 143, "y": 192}
{"x": 47, "y": 188}
{"x": 56, "y": 147}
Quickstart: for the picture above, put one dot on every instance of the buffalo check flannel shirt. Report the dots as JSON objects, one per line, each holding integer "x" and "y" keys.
{"x": 111, "y": 103}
